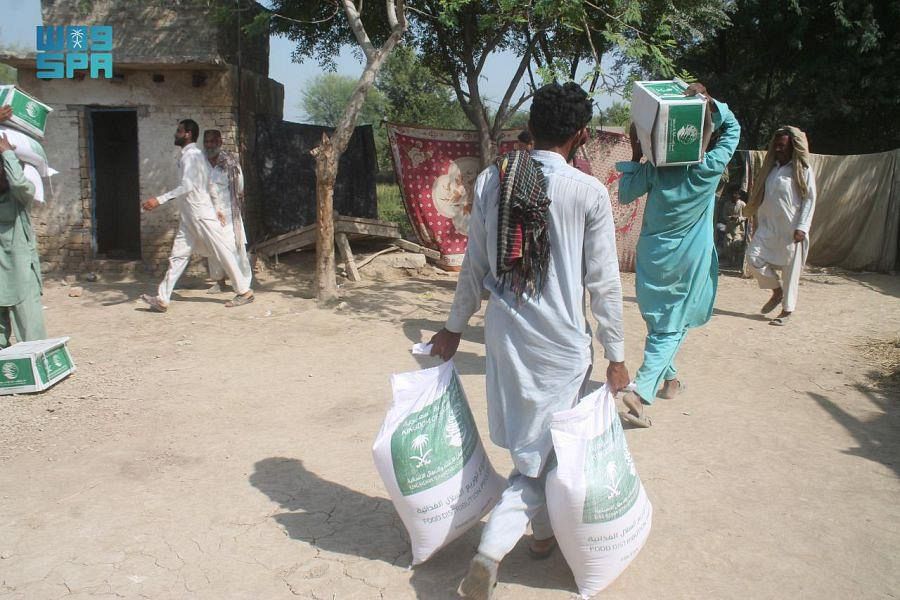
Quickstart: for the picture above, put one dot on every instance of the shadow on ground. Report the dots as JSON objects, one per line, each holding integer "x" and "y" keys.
{"x": 878, "y": 438}
{"x": 337, "y": 519}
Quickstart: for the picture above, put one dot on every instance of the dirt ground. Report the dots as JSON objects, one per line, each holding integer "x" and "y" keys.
{"x": 217, "y": 454}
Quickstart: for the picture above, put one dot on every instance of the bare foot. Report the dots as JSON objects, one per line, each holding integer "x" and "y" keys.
{"x": 670, "y": 389}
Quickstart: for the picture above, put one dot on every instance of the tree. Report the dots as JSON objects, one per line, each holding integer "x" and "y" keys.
{"x": 415, "y": 96}
{"x": 389, "y": 26}
{"x": 618, "y": 114}
{"x": 325, "y": 99}
{"x": 551, "y": 39}
{"x": 826, "y": 67}
{"x": 459, "y": 35}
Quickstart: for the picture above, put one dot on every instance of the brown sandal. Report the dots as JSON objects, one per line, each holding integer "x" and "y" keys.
{"x": 240, "y": 300}
{"x": 155, "y": 304}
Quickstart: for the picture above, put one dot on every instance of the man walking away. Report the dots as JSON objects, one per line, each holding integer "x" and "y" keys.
{"x": 677, "y": 267}
{"x": 784, "y": 201}
{"x": 201, "y": 228}
{"x": 541, "y": 235}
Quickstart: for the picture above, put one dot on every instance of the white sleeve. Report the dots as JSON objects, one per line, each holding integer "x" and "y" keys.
{"x": 476, "y": 265}
{"x": 602, "y": 279}
{"x": 190, "y": 179}
{"x": 808, "y": 204}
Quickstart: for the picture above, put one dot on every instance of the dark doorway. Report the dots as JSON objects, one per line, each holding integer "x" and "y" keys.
{"x": 114, "y": 158}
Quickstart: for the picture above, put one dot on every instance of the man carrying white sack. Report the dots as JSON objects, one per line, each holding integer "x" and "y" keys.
{"x": 783, "y": 200}
{"x": 226, "y": 175}
{"x": 21, "y": 311}
{"x": 541, "y": 234}
{"x": 201, "y": 228}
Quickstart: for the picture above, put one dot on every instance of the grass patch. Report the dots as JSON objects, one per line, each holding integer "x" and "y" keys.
{"x": 884, "y": 355}
{"x": 390, "y": 208}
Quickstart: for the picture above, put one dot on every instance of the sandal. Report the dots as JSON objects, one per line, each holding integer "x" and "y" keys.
{"x": 629, "y": 418}
{"x": 155, "y": 304}
{"x": 240, "y": 301}
{"x": 481, "y": 579}
{"x": 638, "y": 421}
{"x": 780, "y": 321}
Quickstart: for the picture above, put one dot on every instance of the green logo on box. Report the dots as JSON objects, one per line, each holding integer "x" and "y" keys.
{"x": 432, "y": 445}
{"x": 665, "y": 89}
{"x": 612, "y": 481}
{"x": 16, "y": 372}
{"x": 684, "y": 134}
{"x": 57, "y": 362}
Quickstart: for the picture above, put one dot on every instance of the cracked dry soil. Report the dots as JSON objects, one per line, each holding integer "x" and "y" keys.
{"x": 213, "y": 453}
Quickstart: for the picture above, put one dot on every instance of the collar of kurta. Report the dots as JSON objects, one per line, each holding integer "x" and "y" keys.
{"x": 548, "y": 156}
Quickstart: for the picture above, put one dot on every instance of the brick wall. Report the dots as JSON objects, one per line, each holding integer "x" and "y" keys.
{"x": 64, "y": 223}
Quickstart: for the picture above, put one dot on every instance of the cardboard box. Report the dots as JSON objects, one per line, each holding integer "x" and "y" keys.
{"x": 669, "y": 124}
{"x": 34, "y": 366}
{"x": 29, "y": 114}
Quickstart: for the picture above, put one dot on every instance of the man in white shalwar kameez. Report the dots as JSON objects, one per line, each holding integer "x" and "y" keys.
{"x": 784, "y": 201}
{"x": 228, "y": 178}
{"x": 201, "y": 228}
{"x": 537, "y": 340}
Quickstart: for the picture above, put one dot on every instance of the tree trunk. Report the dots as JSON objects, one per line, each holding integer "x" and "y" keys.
{"x": 486, "y": 146}
{"x": 326, "y": 174}
{"x": 329, "y": 152}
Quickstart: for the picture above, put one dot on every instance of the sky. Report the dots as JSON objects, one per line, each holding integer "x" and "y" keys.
{"x": 20, "y": 17}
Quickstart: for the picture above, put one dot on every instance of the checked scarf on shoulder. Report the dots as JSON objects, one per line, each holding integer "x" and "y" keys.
{"x": 228, "y": 162}
{"x": 523, "y": 242}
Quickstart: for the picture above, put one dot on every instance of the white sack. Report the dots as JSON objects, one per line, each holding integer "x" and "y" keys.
{"x": 29, "y": 150}
{"x": 34, "y": 177}
{"x": 432, "y": 461}
{"x": 598, "y": 506}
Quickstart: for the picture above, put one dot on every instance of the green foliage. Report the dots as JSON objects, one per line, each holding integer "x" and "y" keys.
{"x": 415, "y": 96}
{"x": 618, "y": 114}
{"x": 7, "y": 75}
{"x": 829, "y": 68}
{"x": 390, "y": 208}
{"x": 552, "y": 37}
{"x": 326, "y": 98}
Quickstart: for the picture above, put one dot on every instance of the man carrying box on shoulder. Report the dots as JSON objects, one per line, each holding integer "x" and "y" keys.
{"x": 20, "y": 270}
{"x": 677, "y": 266}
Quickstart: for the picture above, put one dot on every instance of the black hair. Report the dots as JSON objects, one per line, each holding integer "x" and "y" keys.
{"x": 525, "y": 137}
{"x": 213, "y": 132}
{"x": 559, "y": 111}
{"x": 191, "y": 127}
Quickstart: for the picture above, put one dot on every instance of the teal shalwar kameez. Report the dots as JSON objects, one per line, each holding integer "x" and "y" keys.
{"x": 677, "y": 266}
{"x": 20, "y": 270}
